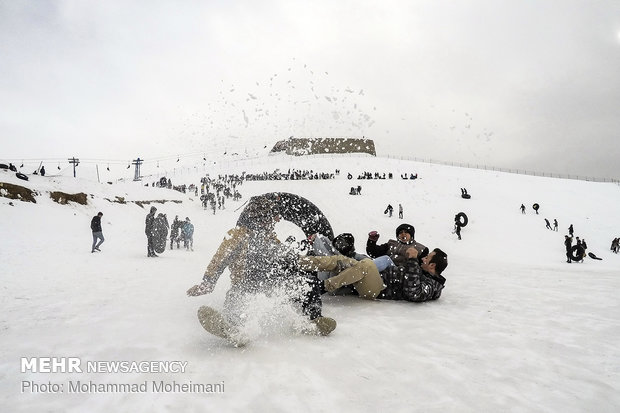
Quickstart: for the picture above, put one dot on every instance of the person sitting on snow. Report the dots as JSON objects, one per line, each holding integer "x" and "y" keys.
{"x": 395, "y": 249}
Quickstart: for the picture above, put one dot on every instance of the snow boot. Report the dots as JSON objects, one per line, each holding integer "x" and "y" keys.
{"x": 215, "y": 323}
{"x": 324, "y": 325}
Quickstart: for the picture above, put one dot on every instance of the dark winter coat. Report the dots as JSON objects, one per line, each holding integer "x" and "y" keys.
{"x": 149, "y": 222}
{"x": 174, "y": 229}
{"x": 395, "y": 250}
{"x": 95, "y": 223}
{"x": 410, "y": 282}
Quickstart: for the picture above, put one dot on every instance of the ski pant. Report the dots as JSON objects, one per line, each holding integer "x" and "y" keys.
{"x": 97, "y": 236}
{"x": 363, "y": 275}
{"x": 150, "y": 245}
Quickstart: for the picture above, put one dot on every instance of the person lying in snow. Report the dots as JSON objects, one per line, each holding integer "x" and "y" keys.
{"x": 409, "y": 280}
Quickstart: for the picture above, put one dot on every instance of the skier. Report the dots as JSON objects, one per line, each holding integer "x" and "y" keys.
{"x": 95, "y": 226}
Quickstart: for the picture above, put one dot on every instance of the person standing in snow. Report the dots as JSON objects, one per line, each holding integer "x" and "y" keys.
{"x": 555, "y": 225}
{"x": 174, "y": 232}
{"x": 149, "y": 230}
{"x": 568, "y": 243}
{"x": 570, "y": 230}
{"x": 95, "y": 226}
{"x": 522, "y": 209}
{"x": 188, "y": 234}
{"x": 400, "y": 211}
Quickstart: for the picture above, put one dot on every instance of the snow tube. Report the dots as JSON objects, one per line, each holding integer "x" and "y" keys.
{"x": 160, "y": 235}
{"x": 461, "y": 219}
{"x": 465, "y": 196}
{"x": 4, "y": 166}
{"x": 535, "y": 207}
{"x": 21, "y": 176}
{"x": 576, "y": 253}
{"x": 594, "y": 257}
{"x": 293, "y": 208}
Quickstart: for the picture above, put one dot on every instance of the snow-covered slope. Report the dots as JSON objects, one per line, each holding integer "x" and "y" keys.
{"x": 516, "y": 329}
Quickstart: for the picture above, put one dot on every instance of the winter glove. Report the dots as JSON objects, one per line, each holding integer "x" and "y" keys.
{"x": 200, "y": 289}
{"x": 373, "y": 236}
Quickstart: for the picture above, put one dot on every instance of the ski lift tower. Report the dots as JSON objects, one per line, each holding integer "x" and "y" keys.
{"x": 137, "y": 163}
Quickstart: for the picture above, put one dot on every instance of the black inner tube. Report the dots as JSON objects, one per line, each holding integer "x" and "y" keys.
{"x": 576, "y": 253}
{"x": 295, "y": 209}
{"x": 21, "y": 176}
{"x": 461, "y": 219}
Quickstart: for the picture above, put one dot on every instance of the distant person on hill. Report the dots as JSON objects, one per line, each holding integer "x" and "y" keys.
{"x": 522, "y": 209}
{"x": 570, "y": 230}
{"x": 188, "y": 234}
{"x": 568, "y": 243}
{"x": 395, "y": 249}
{"x": 359, "y": 190}
{"x": 389, "y": 210}
{"x": 615, "y": 245}
{"x": 149, "y": 230}
{"x": 457, "y": 230}
{"x": 95, "y": 226}
{"x": 555, "y": 224}
{"x": 548, "y": 224}
{"x": 43, "y": 171}
{"x": 174, "y": 232}
{"x": 400, "y": 211}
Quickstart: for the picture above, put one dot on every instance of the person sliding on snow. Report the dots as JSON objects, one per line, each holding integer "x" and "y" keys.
{"x": 258, "y": 263}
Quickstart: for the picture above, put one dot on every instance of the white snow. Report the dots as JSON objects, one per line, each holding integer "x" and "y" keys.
{"x": 516, "y": 329}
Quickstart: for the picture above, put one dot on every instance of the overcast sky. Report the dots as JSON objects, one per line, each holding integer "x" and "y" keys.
{"x": 511, "y": 83}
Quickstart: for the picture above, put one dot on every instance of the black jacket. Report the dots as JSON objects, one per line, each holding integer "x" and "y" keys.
{"x": 95, "y": 223}
{"x": 395, "y": 250}
{"x": 410, "y": 282}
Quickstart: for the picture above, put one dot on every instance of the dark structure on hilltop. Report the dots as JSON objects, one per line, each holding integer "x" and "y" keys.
{"x": 314, "y": 146}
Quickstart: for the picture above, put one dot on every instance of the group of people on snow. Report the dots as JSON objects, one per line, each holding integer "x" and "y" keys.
{"x": 400, "y": 269}
{"x": 156, "y": 230}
